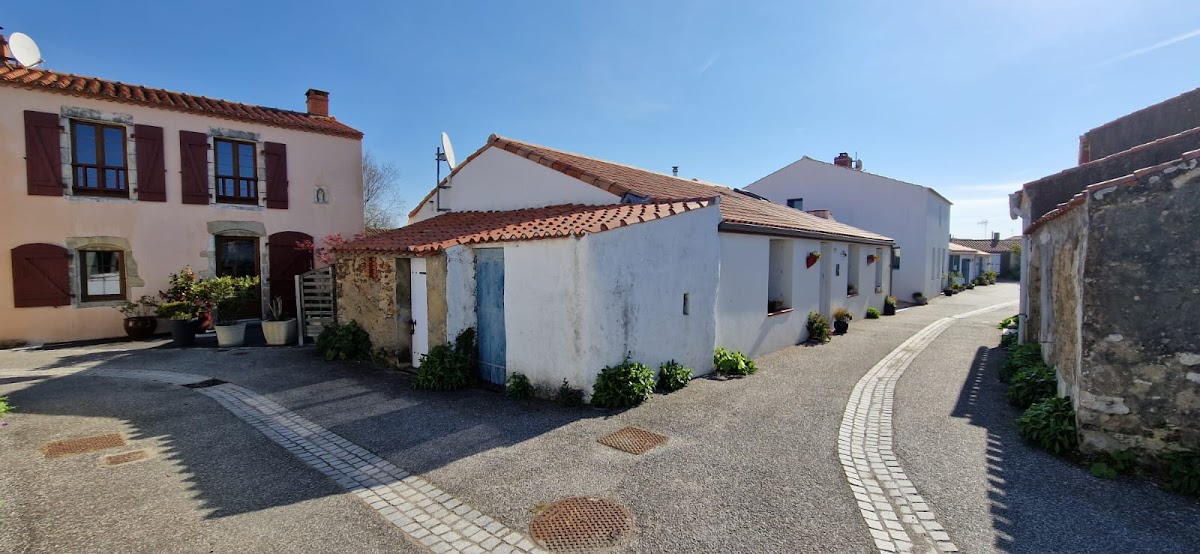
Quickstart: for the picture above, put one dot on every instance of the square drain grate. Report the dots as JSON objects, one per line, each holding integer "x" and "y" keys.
{"x": 125, "y": 457}
{"x": 205, "y": 384}
{"x": 632, "y": 440}
{"x": 81, "y": 446}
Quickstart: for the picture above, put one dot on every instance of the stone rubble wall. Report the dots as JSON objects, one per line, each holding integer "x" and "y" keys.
{"x": 366, "y": 293}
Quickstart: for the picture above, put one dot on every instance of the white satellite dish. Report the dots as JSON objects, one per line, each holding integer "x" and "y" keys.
{"x": 448, "y": 150}
{"x": 24, "y": 50}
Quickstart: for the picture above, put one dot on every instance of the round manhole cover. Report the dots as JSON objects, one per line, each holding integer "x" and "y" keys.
{"x": 581, "y": 523}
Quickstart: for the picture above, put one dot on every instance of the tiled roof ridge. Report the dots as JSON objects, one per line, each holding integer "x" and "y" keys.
{"x": 126, "y": 93}
{"x": 1138, "y": 148}
{"x": 964, "y": 248}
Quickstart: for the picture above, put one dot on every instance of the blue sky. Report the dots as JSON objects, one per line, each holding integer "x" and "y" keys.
{"x": 971, "y": 98}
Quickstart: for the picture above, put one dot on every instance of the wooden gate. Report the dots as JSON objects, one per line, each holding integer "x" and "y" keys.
{"x": 317, "y": 300}
{"x": 286, "y": 261}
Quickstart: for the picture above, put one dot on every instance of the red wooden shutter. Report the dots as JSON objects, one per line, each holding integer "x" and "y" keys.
{"x": 193, "y": 157}
{"x": 151, "y": 171}
{"x": 40, "y": 276}
{"x": 43, "y": 154}
{"x": 277, "y": 176}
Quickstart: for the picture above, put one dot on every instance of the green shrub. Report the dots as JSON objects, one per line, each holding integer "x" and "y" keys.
{"x": 177, "y": 310}
{"x": 1019, "y": 357}
{"x": 623, "y": 385}
{"x": 731, "y": 363}
{"x": 1183, "y": 472}
{"x": 448, "y": 366}
{"x": 5, "y": 407}
{"x": 568, "y": 395}
{"x": 872, "y": 313}
{"x": 1109, "y": 465}
{"x": 818, "y": 328}
{"x": 672, "y": 376}
{"x": 518, "y": 386}
{"x": 1050, "y": 425}
{"x": 1031, "y": 384}
{"x": 1004, "y": 323}
{"x": 890, "y": 301}
{"x": 1008, "y": 340}
{"x": 344, "y": 342}
{"x": 1103, "y": 470}
{"x": 842, "y": 314}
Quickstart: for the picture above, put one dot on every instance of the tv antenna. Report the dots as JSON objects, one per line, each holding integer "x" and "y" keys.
{"x": 985, "y": 224}
{"x": 445, "y": 153}
{"x": 21, "y": 49}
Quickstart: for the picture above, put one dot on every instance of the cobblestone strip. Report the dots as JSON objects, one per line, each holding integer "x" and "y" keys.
{"x": 430, "y": 516}
{"x": 896, "y": 514}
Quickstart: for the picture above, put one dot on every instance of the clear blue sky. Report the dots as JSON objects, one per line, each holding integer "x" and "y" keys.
{"x": 971, "y": 98}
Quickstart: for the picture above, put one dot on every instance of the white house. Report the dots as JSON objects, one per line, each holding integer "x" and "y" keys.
{"x": 917, "y": 217}
{"x": 566, "y": 263}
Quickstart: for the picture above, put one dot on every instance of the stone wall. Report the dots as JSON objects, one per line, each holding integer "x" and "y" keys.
{"x": 1059, "y": 250}
{"x": 1166, "y": 118}
{"x": 366, "y": 293}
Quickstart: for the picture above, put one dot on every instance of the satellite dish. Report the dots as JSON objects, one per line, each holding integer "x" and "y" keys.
{"x": 449, "y": 151}
{"x": 24, "y": 50}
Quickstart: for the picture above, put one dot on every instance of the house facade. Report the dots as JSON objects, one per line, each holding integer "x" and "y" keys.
{"x": 968, "y": 262}
{"x": 1005, "y": 253}
{"x": 111, "y": 187}
{"x": 565, "y": 264}
{"x": 917, "y": 217}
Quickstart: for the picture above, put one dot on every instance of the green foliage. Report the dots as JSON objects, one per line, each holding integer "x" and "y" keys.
{"x": 1008, "y": 340}
{"x": 568, "y": 395}
{"x": 145, "y": 306}
{"x": 1004, "y": 323}
{"x": 5, "y": 407}
{"x": 872, "y": 313}
{"x": 1031, "y": 384}
{"x": 344, "y": 342}
{"x": 1183, "y": 472}
{"x": 1019, "y": 357}
{"x": 818, "y": 328}
{"x": 623, "y": 385}
{"x": 177, "y": 310}
{"x": 730, "y": 363}
{"x": 184, "y": 287}
{"x": 890, "y": 301}
{"x": 449, "y": 366}
{"x": 230, "y": 295}
{"x": 518, "y": 386}
{"x": 842, "y": 314}
{"x": 672, "y": 376}
{"x": 1103, "y": 470}
{"x": 1050, "y": 425}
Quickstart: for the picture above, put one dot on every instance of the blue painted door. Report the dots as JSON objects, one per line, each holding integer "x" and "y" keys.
{"x": 489, "y": 309}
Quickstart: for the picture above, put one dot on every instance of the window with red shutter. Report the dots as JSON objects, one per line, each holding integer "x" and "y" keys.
{"x": 277, "y": 175}
{"x": 43, "y": 154}
{"x": 151, "y": 170}
{"x": 193, "y": 158}
{"x": 41, "y": 276}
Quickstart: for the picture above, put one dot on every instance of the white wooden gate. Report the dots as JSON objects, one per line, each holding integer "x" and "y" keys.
{"x": 420, "y": 311}
{"x": 316, "y": 297}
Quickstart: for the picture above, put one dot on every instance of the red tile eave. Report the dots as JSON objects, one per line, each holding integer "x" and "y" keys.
{"x": 112, "y": 91}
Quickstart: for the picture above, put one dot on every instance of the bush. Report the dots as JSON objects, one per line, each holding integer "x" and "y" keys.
{"x": 1008, "y": 340}
{"x": 1183, "y": 472}
{"x": 344, "y": 342}
{"x": 672, "y": 376}
{"x": 872, "y": 313}
{"x": 842, "y": 314}
{"x": 1019, "y": 357}
{"x": 518, "y": 386}
{"x": 5, "y": 407}
{"x": 890, "y": 301}
{"x": 623, "y": 385}
{"x": 1004, "y": 323}
{"x": 818, "y": 328}
{"x": 448, "y": 366}
{"x": 177, "y": 310}
{"x": 1050, "y": 425}
{"x": 731, "y": 363}
{"x": 1110, "y": 465}
{"x": 1031, "y": 384}
{"x": 568, "y": 395}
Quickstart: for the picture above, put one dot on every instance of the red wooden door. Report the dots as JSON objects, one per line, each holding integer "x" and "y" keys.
{"x": 286, "y": 263}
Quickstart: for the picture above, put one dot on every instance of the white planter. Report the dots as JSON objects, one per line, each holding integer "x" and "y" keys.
{"x": 279, "y": 333}
{"x": 231, "y": 335}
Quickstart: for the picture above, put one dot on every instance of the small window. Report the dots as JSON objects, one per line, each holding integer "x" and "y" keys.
{"x": 98, "y": 159}
{"x": 102, "y": 275}
{"x": 236, "y": 172}
{"x": 779, "y": 276}
{"x": 878, "y": 268}
{"x": 797, "y": 203}
{"x": 853, "y": 285}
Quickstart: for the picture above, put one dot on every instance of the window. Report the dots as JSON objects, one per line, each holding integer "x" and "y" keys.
{"x": 878, "y": 268}
{"x": 236, "y": 171}
{"x": 98, "y": 159}
{"x": 895, "y": 257}
{"x": 779, "y": 276}
{"x": 101, "y": 275}
{"x": 797, "y": 203}
{"x": 853, "y": 284}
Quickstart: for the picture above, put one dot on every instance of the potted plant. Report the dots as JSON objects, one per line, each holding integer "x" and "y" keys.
{"x": 230, "y": 295}
{"x": 841, "y": 320}
{"x": 182, "y": 316}
{"x": 812, "y": 258}
{"x": 889, "y": 305}
{"x": 140, "y": 321}
{"x": 185, "y": 286}
{"x": 278, "y": 328}
{"x": 919, "y": 299}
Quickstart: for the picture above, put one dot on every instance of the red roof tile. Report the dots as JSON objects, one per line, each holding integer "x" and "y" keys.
{"x": 1002, "y": 245}
{"x": 433, "y": 235}
{"x": 100, "y": 89}
{"x": 737, "y": 207}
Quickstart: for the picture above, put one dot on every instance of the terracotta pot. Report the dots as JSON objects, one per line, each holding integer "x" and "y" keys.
{"x": 204, "y": 321}
{"x": 141, "y": 327}
{"x": 183, "y": 332}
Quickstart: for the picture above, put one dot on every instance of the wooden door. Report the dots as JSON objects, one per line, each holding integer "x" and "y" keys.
{"x": 489, "y": 309}
{"x": 420, "y": 310}
{"x": 286, "y": 262}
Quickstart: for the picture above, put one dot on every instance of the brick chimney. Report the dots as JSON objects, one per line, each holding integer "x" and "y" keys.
{"x": 318, "y": 102}
{"x": 823, "y": 214}
{"x": 844, "y": 160}
{"x": 1085, "y": 150}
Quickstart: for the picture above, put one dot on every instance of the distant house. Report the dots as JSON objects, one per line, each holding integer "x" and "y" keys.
{"x": 1109, "y": 278}
{"x": 968, "y": 262}
{"x": 110, "y": 187}
{"x": 566, "y": 264}
{"x": 1005, "y": 253}
{"x": 917, "y": 217}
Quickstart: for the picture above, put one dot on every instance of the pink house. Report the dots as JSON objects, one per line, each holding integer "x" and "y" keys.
{"x": 110, "y": 187}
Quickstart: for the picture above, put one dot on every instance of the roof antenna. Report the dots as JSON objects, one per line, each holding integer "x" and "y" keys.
{"x": 674, "y": 171}
{"x": 444, "y": 153}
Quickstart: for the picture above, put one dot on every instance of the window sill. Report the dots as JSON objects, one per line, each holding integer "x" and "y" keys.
{"x": 98, "y": 198}
{"x": 783, "y": 311}
{"x": 855, "y": 295}
{"x": 100, "y": 303}
{"x": 237, "y": 206}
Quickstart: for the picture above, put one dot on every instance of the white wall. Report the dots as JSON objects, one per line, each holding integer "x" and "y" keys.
{"x": 500, "y": 180}
{"x": 874, "y": 203}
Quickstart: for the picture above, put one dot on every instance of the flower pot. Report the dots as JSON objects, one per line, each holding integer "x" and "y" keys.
{"x": 811, "y": 259}
{"x": 948, "y": 292}
{"x": 204, "y": 321}
{"x": 140, "y": 327}
{"x": 889, "y": 309}
{"x": 279, "y": 332}
{"x": 231, "y": 335}
{"x": 840, "y": 327}
{"x": 183, "y": 332}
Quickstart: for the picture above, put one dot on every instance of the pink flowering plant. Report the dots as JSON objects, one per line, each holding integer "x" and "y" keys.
{"x": 324, "y": 254}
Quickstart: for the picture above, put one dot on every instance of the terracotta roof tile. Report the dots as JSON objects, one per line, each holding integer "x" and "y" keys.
{"x": 433, "y": 235}
{"x": 964, "y": 249}
{"x": 101, "y": 89}
{"x": 619, "y": 179}
{"x": 1002, "y": 246}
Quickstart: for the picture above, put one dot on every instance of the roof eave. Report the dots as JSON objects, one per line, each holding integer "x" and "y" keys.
{"x": 749, "y": 229}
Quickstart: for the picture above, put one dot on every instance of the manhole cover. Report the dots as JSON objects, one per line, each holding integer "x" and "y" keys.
{"x": 125, "y": 457}
{"x": 205, "y": 384}
{"x": 80, "y": 446}
{"x": 581, "y": 523}
{"x": 633, "y": 440}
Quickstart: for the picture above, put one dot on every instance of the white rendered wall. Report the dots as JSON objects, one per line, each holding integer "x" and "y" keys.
{"x": 500, "y": 180}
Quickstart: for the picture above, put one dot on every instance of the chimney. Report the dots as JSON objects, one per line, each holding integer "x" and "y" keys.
{"x": 318, "y": 102}
{"x": 995, "y": 239}
{"x": 823, "y": 214}
{"x": 675, "y": 171}
{"x": 844, "y": 160}
{"x": 1085, "y": 150}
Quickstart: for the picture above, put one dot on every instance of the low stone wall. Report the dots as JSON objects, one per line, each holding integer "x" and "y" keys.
{"x": 366, "y": 293}
{"x": 1058, "y": 251}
